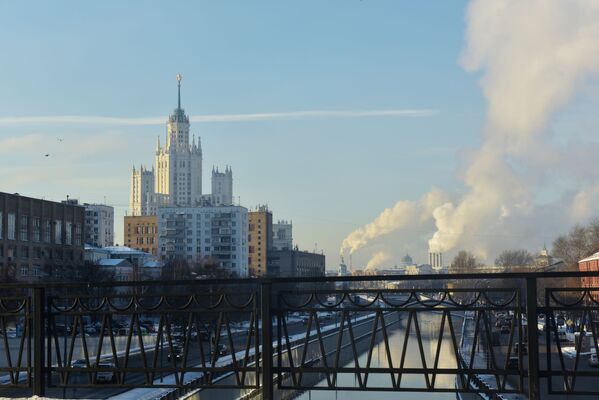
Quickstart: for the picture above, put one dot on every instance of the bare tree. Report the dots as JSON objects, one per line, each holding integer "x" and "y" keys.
{"x": 514, "y": 258}
{"x": 464, "y": 261}
{"x": 580, "y": 242}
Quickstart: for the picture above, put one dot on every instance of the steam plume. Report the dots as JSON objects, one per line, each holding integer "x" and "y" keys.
{"x": 534, "y": 56}
{"x": 377, "y": 260}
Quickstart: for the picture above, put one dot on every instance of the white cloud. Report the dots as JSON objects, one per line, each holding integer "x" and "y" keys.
{"x": 18, "y": 143}
{"x": 95, "y": 120}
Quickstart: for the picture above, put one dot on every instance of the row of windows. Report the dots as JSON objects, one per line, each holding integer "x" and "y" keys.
{"x": 15, "y": 252}
{"x": 146, "y": 240}
{"x": 60, "y": 237}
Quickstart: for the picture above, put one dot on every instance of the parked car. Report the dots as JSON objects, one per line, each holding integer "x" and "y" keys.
{"x": 79, "y": 364}
{"x": 204, "y": 335}
{"x": 593, "y": 360}
{"x": 91, "y": 330}
{"x": 105, "y": 376}
{"x": 505, "y": 328}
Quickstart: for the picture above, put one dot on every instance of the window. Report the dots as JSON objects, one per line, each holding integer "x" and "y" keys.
{"x": 24, "y": 270}
{"x": 47, "y": 230}
{"x": 23, "y": 234}
{"x": 68, "y": 226}
{"x": 77, "y": 234}
{"x": 24, "y": 252}
{"x": 12, "y": 228}
{"x": 58, "y": 232}
{"x": 36, "y": 229}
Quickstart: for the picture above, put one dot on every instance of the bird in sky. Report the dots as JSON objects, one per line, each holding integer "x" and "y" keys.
{"x": 47, "y": 155}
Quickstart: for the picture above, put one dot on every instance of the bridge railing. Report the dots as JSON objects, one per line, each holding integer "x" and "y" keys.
{"x": 475, "y": 333}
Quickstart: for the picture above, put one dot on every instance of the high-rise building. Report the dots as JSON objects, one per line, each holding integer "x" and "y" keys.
{"x": 39, "y": 239}
{"x": 141, "y": 233}
{"x": 222, "y": 187}
{"x": 205, "y": 234}
{"x": 259, "y": 240}
{"x": 179, "y": 162}
{"x": 99, "y": 225}
{"x": 282, "y": 235}
{"x": 176, "y": 178}
{"x": 142, "y": 189}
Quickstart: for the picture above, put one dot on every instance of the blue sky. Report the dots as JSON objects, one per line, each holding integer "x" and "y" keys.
{"x": 329, "y": 175}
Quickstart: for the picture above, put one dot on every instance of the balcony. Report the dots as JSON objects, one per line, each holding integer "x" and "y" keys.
{"x": 522, "y": 334}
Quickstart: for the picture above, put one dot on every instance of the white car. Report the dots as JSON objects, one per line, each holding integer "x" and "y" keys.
{"x": 105, "y": 376}
{"x": 593, "y": 360}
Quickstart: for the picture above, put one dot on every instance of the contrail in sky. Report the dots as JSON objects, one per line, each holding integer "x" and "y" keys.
{"x": 96, "y": 120}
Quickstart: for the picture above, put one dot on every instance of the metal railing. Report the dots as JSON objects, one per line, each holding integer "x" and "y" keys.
{"x": 472, "y": 333}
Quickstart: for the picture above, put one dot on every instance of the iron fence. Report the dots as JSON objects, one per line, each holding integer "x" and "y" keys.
{"x": 472, "y": 333}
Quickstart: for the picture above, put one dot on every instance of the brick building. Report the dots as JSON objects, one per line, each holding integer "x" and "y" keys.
{"x": 141, "y": 233}
{"x": 39, "y": 239}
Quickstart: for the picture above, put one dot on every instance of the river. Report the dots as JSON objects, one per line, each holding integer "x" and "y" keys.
{"x": 429, "y": 327}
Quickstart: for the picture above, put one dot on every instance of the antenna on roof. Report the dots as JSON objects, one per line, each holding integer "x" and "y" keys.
{"x": 179, "y": 78}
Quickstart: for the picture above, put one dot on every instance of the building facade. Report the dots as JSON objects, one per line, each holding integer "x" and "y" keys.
{"x": 176, "y": 178}
{"x": 282, "y": 235}
{"x": 295, "y": 264}
{"x": 259, "y": 240}
{"x": 587, "y": 265}
{"x": 99, "y": 225}
{"x": 222, "y": 187}
{"x": 205, "y": 234}
{"x": 179, "y": 162}
{"x": 142, "y": 189}
{"x": 141, "y": 233}
{"x": 39, "y": 239}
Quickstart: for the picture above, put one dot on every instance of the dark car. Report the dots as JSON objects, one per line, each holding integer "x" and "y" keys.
{"x": 177, "y": 351}
{"x": 513, "y": 363}
{"x": 523, "y": 348}
{"x": 220, "y": 350}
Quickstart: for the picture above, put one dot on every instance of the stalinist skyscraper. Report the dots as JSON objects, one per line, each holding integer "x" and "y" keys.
{"x": 179, "y": 162}
{"x": 177, "y": 178}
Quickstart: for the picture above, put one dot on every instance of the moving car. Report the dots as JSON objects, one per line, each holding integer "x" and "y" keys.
{"x": 524, "y": 348}
{"x": 593, "y": 360}
{"x": 513, "y": 363}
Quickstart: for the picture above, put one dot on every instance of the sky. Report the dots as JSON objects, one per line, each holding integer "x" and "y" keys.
{"x": 361, "y": 103}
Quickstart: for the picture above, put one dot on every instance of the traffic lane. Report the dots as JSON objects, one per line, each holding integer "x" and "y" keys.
{"x": 136, "y": 361}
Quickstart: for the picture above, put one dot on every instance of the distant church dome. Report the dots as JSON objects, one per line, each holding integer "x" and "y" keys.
{"x": 407, "y": 260}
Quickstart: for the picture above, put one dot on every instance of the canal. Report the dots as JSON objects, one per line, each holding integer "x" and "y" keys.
{"x": 429, "y": 324}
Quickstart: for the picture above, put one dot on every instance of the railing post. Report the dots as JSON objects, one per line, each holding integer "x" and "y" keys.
{"x": 532, "y": 337}
{"x": 39, "y": 330}
{"x": 266, "y": 316}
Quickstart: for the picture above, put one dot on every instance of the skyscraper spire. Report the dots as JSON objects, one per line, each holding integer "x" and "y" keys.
{"x": 179, "y": 77}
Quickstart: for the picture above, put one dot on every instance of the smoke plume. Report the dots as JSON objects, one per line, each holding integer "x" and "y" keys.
{"x": 377, "y": 260}
{"x": 533, "y": 56}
